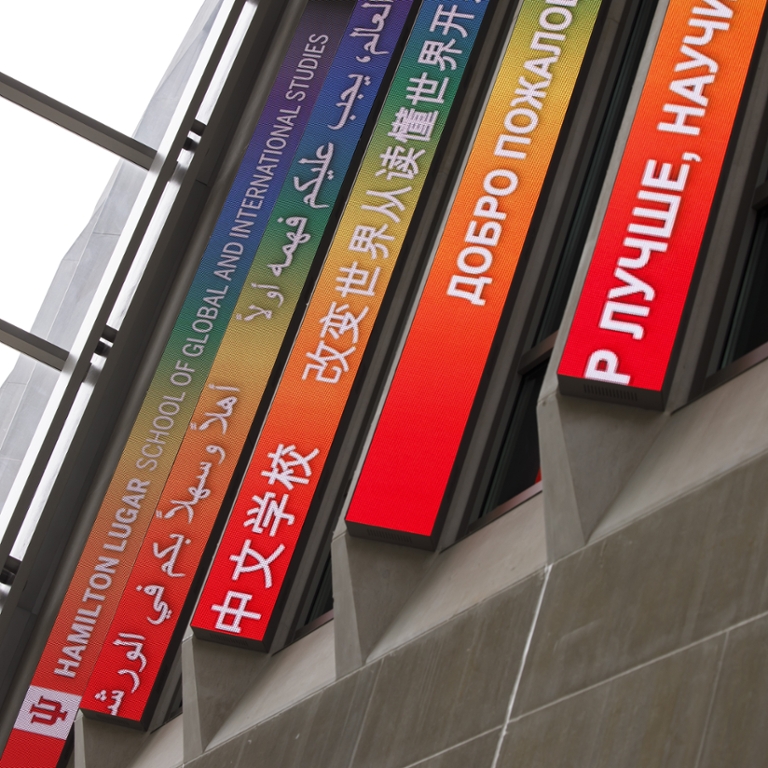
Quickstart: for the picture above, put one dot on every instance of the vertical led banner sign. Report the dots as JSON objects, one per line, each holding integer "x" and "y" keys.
{"x": 623, "y": 333}
{"x": 249, "y": 571}
{"x": 153, "y": 609}
{"x": 61, "y": 676}
{"x": 414, "y": 446}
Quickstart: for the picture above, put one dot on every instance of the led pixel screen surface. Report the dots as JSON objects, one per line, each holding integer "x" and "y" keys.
{"x": 627, "y": 319}
{"x": 135, "y": 490}
{"x": 414, "y": 446}
{"x": 258, "y": 546}
{"x": 151, "y": 613}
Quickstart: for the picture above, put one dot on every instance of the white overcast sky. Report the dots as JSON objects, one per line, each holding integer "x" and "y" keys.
{"x": 102, "y": 57}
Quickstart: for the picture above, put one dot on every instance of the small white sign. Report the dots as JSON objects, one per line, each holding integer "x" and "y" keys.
{"x": 48, "y": 712}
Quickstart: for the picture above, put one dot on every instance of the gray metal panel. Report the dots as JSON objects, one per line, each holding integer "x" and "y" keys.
{"x": 72, "y": 120}
{"x": 32, "y": 345}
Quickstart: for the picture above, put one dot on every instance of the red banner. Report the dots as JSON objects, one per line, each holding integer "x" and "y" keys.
{"x": 403, "y": 481}
{"x": 627, "y": 320}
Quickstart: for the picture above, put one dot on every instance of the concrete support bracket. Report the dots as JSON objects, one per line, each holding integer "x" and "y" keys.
{"x": 371, "y": 583}
{"x": 589, "y": 450}
{"x": 104, "y": 745}
{"x": 214, "y": 678}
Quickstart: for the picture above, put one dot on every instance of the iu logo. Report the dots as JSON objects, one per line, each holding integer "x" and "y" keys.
{"x": 48, "y": 711}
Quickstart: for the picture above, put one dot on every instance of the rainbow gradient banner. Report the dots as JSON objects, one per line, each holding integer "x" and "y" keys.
{"x": 61, "y": 676}
{"x": 238, "y": 602}
{"x": 415, "y": 443}
{"x": 152, "y": 610}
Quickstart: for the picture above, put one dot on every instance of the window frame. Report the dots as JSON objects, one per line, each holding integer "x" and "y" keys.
{"x": 725, "y": 248}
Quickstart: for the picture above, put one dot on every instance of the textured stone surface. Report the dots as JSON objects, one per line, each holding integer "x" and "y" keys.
{"x": 669, "y": 579}
{"x": 163, "y": 748}
{"x": 286, "y": 678}
{"x": 723, "y": 430}
{"x": 106, "y": 745}
{"x": 8, "y": 470}
{"x": 30, "y": 409}
{"x": 476, "y": 568}
{"x": 449, "y": 685}
{"x": 318, "y": 732}
{"x": 477, "y": 753}
{"x": 12, "y": 392}
{"x": 226, "y": 755}
{"x": 737, "y": 735}
{"x": 652, "y": 717}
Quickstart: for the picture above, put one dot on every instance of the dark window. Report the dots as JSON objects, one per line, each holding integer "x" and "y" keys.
{"x": 740, "y": 339}
{"x": 175, "y": 708}
{"x": 749, "y": 324}
{"x": 516, "y": 474}
{"x": 319, "y": 609}
{"x": 517, "y": 468}
{"x": 322, "y": 602}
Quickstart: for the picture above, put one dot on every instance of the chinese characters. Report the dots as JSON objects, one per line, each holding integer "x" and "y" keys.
{"x": 289, "y": 468}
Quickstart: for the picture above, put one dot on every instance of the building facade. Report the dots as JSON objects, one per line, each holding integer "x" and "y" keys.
{"x": 434, "y": 540}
